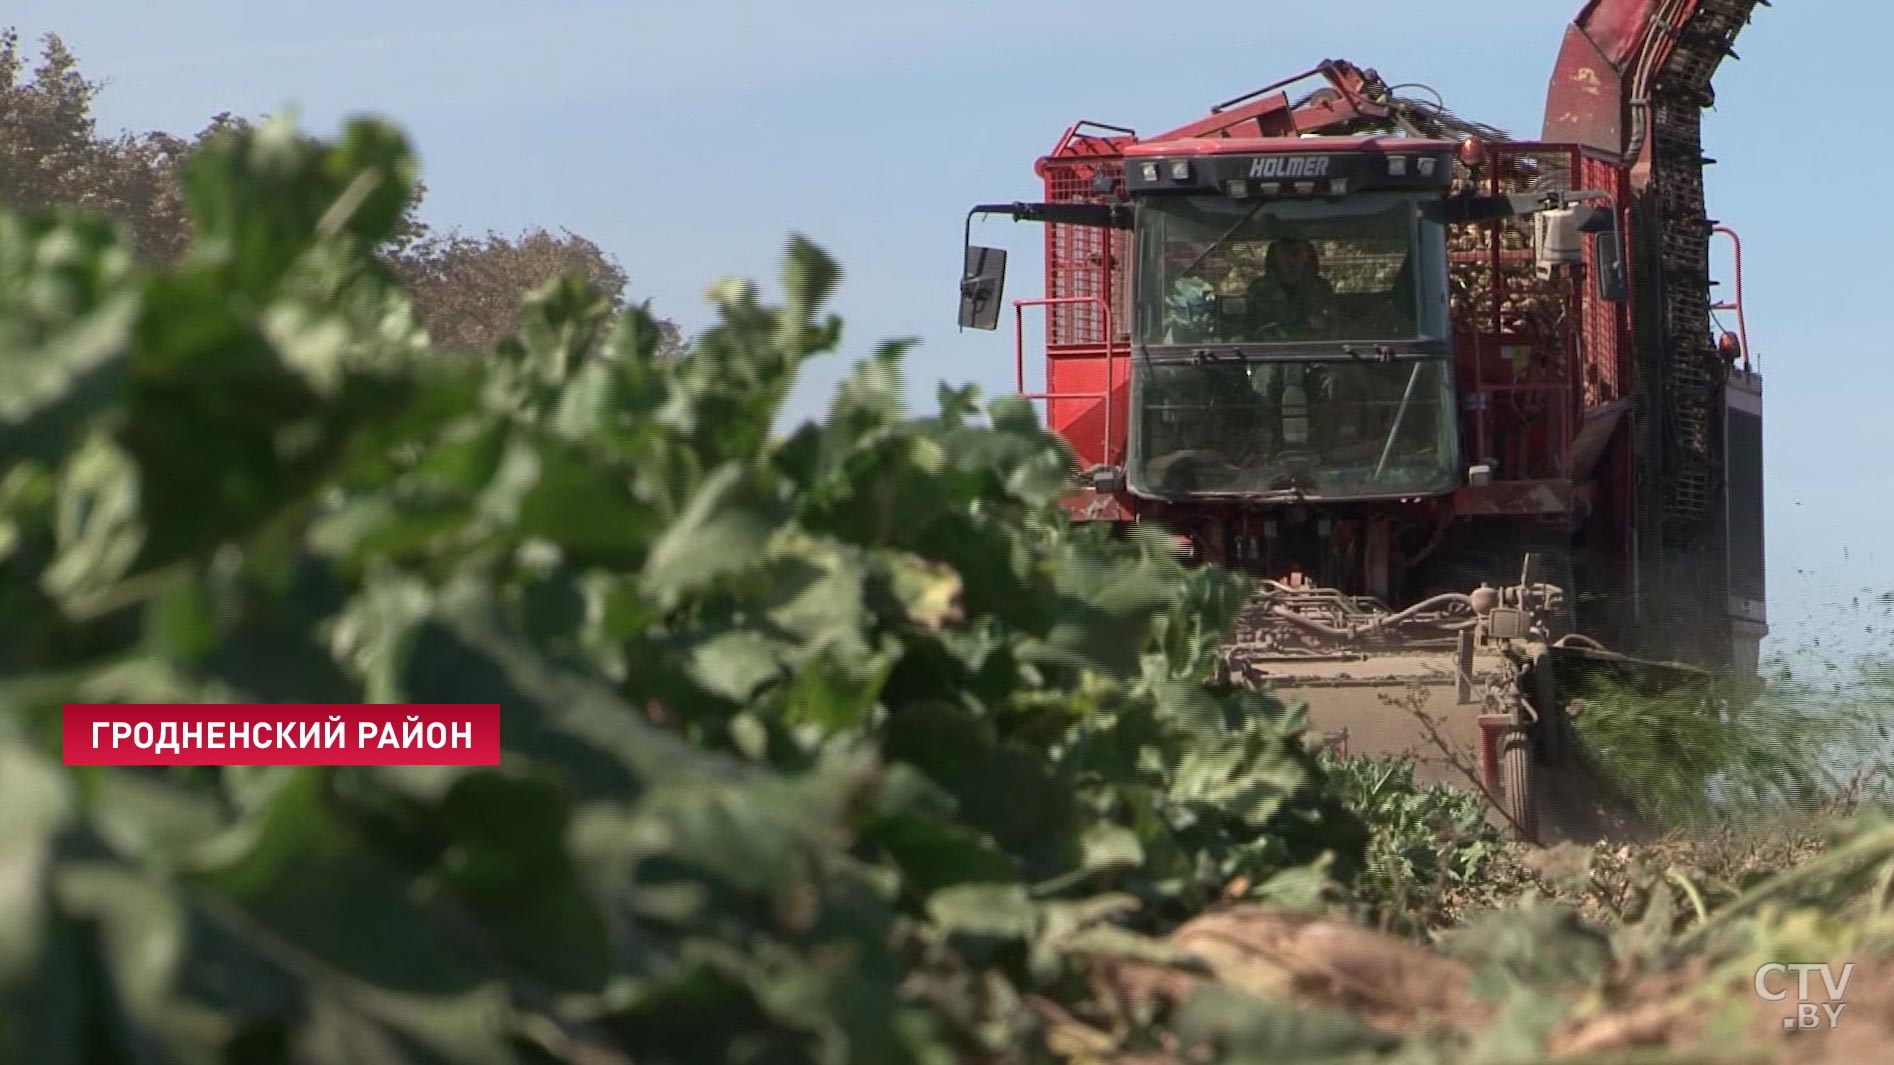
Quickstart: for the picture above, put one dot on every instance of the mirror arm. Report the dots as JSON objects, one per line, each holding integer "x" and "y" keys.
{"x": 1471, "y": 208}
{"x": 1608, "y": 224}
{"x": 1102, "y": 215}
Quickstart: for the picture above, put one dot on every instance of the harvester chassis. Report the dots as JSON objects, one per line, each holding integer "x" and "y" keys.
{"x": 1477, "y": 688}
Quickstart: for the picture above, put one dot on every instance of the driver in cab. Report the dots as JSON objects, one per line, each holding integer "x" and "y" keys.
{"x": 1290, "y": 299}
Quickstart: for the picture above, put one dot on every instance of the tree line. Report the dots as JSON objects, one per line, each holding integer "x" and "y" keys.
{"x": 467, "y": 288}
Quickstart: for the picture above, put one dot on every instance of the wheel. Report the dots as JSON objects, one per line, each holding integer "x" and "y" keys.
{"x": 1557, "y": 739}
{"x": 1517, "y": 798}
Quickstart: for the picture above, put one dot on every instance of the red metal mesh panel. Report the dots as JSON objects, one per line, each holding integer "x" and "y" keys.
{"x": 1083, "y": 260}
{"x": 1496, "y": 288}
{"x": 1605, "y": 326}
{"x": 1510, "y": 298}
{"x": 1518, "y": 334}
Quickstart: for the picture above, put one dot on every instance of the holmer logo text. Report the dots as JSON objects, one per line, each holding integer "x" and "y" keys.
{"x": 1290, "y": 166}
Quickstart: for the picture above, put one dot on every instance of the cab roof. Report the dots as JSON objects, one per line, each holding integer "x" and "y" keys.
{"x": 1382, "y": 143}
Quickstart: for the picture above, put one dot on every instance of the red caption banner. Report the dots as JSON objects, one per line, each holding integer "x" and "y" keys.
{"x": 277, "y": 734}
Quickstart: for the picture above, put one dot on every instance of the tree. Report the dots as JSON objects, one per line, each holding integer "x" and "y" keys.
{"x": 51, "y": 152}
{"x": 466, "y": 289}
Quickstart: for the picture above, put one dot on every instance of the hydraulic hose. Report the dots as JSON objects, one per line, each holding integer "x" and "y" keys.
{"x": 1376, "y": 624}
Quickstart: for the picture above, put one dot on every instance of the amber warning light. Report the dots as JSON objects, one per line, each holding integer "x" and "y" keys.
{"x": 280, "y": 734}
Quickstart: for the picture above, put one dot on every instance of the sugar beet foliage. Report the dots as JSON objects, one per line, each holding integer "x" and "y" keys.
{"x": 819, "y": 747}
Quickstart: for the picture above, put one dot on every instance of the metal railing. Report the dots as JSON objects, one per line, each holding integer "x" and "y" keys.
{"x": 1742, "y": 326}
{"x": 1111, "y": 354}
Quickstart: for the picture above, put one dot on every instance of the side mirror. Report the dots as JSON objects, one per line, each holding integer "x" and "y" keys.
{"x": 982, "y": 282}
{"x": 1608, "y": 260}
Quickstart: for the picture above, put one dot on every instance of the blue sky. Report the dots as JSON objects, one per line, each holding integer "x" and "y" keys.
{"x": 689, "y": 139}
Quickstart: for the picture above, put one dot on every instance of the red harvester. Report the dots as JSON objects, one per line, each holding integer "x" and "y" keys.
{"x": 1457, "y": 401}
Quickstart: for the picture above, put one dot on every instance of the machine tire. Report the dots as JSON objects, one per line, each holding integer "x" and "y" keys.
{"x": 1517, "y": 797}
{"x": 1555, "y": 737}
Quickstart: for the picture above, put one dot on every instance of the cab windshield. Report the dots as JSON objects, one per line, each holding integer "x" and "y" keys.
{"x": 1215, "y": 270}
{"x": 1331, "y": 429}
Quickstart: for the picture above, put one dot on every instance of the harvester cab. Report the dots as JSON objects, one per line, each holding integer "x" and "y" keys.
{"x": 1289, "y": 310}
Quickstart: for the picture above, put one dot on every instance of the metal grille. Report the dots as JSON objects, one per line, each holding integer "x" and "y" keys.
{"x": 1525, "y": 303}
{"x": 1607, "y": 371}
{"x": 1525, "y": 375}
{"x": 1083, "y": 260}
{"x": 1496, "y": 288}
